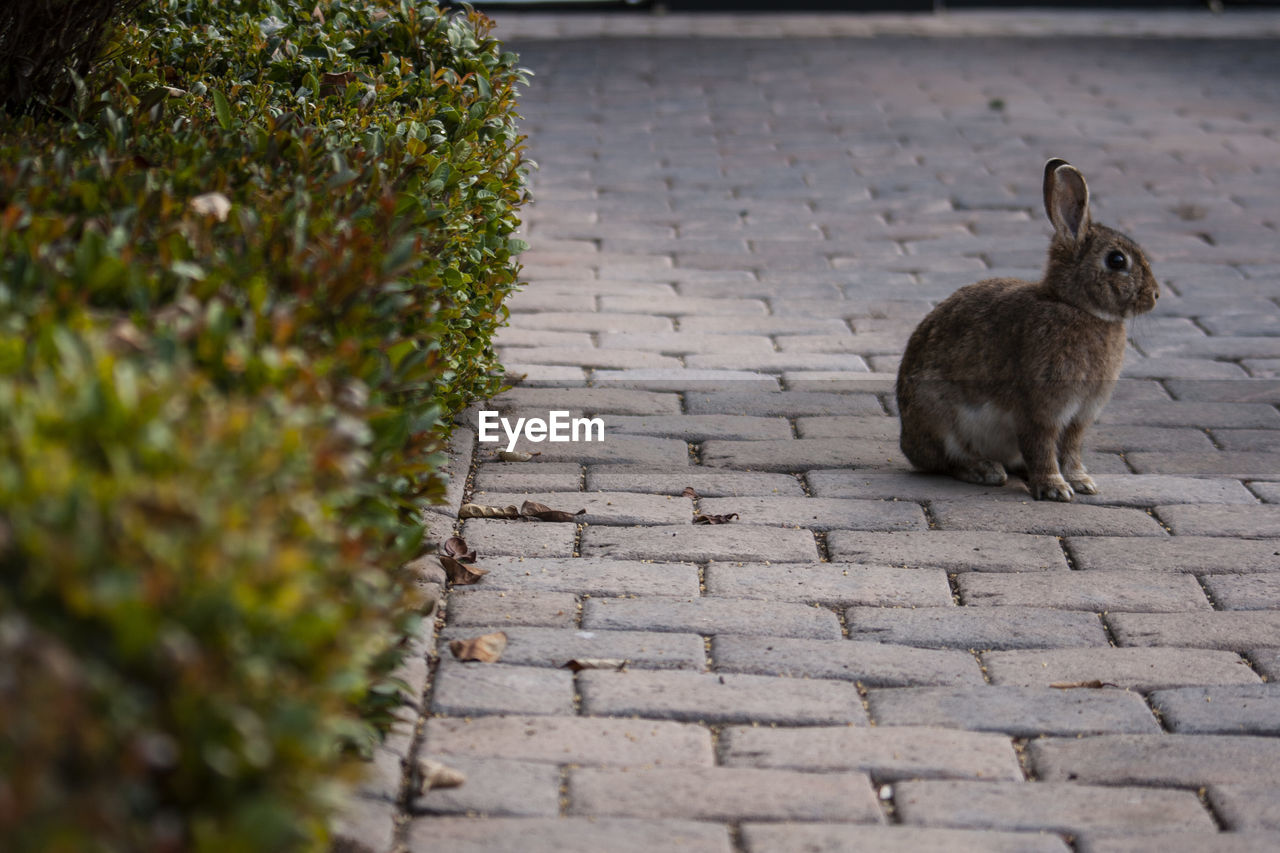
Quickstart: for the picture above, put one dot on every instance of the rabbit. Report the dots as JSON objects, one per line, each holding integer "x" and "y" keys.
{"x": 1007, "y": 374}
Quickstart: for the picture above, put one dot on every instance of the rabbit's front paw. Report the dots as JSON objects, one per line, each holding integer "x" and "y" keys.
{"x": 1052, "y": 489}
{"x": 1083, "y": 484}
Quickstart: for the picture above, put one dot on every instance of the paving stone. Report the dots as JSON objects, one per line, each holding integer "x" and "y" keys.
{"x": 954, "y": 550}
{"x": 1219, "y": 463}
{"x": 977, "y": 627}
{"x": 1181, "y": 368}
{"x": 1221, "y": 520}
{"x": 589, "y": 576}
{"x": 555, "y": 647}
{"x": 614, "y": 449}
{"x": 700, "y": 427}
{"x": 1162, "y": 489}
{"x": 1118, "y": 437}
{"x": 1263, "y": 440}
{"x": 879, "y": 664}
{"x": 888, "y": 753}
{"x": 851, "y": 838}
{"x": 684, "y": 343}
{"x": 723, "y": 793}
{"x": 1233, "y": 390}
{"x": 710, "y": 616}
{"x": 1167, "y": 760}
{"x": 831, "y": 583}
{"x": 1244, "y": 592}
{"x": 365, "y": 826}
{"x": 1138, "y": 668}
{"x": 1199, "y": 554}
{"x": 496, "y": 786}
{"x": 1203, "y": 415}
{"x": 1016, "y": 711}
{"x": 524, "y": 607}
{"x": 819, "y": 513}
{"x": 700, "y": 543}
{"x": 570, "y": 740}
{"x": 1138, "y": 591}
{"x": 626, "y": 508}
{"x": 1043, "y": 517}
{"x": 688, "y": 380}
{"x": 783, "y": 403}
{"x": 519, "y": 538}
{"x": 524, "y": 477}
{"x": 1269, "y": 492}
{"x": 588, "y": 401}
{"x": 565, "y": 835}
{"x": 726, "y": 698}
{"x": 843, "y": 381}
{"x": 905, "y": 485}
{"x": 1236, "y": 630}
{"x": 681, "y": 305}
{"x": 509, "y": 336}
{"x": 588, "y": 356}
{"x": 703, "y": 325}
{"x": 872, "y": 427}
{"x": 583, "y": 321}
{"x": 801, "y": 454}
{"x": 1177, "y": 842}
{"x": 494, "y": 688}
{"x": 707, "y": 482}
{"x": 773, "y": 362}
{"x": 1247, "y": 808}
{"x": 1252, "y": 709}
{"x": 1067, "y": 808}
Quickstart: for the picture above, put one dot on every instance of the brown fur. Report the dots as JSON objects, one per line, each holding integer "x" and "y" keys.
{"x": 1009, "y": 374}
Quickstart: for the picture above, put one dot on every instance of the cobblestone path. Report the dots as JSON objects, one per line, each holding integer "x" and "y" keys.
{"x": 732, "y": 239}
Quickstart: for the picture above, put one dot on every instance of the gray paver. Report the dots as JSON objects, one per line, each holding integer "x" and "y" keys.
{"x": 527, "y": 607}
{"x": 628, "y": 508}
{"x": 850, "y": 838}
{"x": 699, "y": 543}
{"x": 888, "y": 753}
{"x": 528, "y": 477}
{"x": 831, "y": 583}
{"x": 1199, "y": 554}
{"x": 976, "y": 628}
{"x": 1135, "y": 668}
{"x": 1017, "y": 711}
{"x": 1184, "y": 761}
{"x": 802, "y": 454}
{"x": 588, "y": 576}
{"x": 1247, "y": 808}
{"x": 700, "y": 427}
{"x": 1221, "y": 520}
{"x": 619, "y": 449}
{"x": 723, "y": 793}
{"x": 495, "y": 688}
{"x": 1070, "y": 808}
{"x": 590, "y": 401}
{"x": 820, "y": 513}
{"x": 1178, "y": 842}
{"x": 1237, "y": 709}
{"x": 555, "y": 647}
{"x": 571, "y": 740}
{"x": 1138, "y": 591}
{"x": 783, "y": 403}
{"x": 1244, "y": 592}
{"x": 729, "y": 698}
{"x": 954, "y": 550}
{"x": 1043, "y": 517}
{"x": 711, "y": 616}
{"x": 879, "y": 664}
{"x": 519, "y": 538}
{"x": 496, "y": 786}
{"x": 709, "y": 483}
{"x": 565, "y": 835}
{"x": 1236, "y": 630}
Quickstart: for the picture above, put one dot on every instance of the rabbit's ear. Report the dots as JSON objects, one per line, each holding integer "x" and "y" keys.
{"x": 1066, "y": 199}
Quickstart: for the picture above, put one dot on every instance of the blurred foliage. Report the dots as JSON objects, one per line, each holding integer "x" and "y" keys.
{"x": 247, "y": 276}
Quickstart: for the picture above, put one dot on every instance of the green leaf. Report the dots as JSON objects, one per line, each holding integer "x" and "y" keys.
{"x": 222, "y": 109}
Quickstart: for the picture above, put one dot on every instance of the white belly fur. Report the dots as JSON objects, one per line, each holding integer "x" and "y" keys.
{"x": 985, "y": 431}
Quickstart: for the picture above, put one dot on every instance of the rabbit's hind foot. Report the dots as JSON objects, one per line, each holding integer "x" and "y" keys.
{"x": 982, "y": 472}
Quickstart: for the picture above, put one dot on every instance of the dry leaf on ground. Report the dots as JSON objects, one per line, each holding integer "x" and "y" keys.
{"x": 542, "y": 512}
{"x": 714, "y": 519}
{"x": 482, "y": 511}
{"x": 456, "y": 547}
{"x": 428, "y": 774}
{"x": 486, "y": 648}
{"x": 690, "y": 492}
{"x": 579, "y": 664}
{"x": 1076, "y": 685}
{"x": 460, "y": 573}
{"x": 517, "y": 455}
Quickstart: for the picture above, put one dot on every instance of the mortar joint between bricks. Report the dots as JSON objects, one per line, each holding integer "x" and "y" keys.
{"x": 1066, "y": 552}
{"x": 1207, "y": 592}
{"x": 1024, "y": 759}
{"x": 844, "y": 622}
{"x": 408, "y": 765}
{"x": 562, "y": 796}
{"x": 820, "y": 539}
{"x": 1202, "y": 794}
{"x": 982, "y": 666}
{"x": 736, "y": 842}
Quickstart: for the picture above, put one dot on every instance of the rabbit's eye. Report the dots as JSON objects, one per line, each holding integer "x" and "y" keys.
{"x": 1116, "y": 260}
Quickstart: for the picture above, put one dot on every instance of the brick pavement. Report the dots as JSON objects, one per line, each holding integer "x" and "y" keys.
{"x": 733, "y": 235}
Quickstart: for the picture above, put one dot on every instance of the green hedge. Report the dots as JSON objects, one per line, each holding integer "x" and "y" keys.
{"x": 246, "y": 278}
